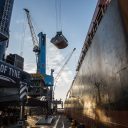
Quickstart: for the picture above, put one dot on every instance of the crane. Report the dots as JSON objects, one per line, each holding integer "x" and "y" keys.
{"x": 33, "y": 35}
{"x": 39, "y": 47}
{"x": 40, "y": 51}
{"x": 62, "y": 68}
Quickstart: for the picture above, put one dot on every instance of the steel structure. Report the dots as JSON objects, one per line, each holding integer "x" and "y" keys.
{"x": 33, "y": 35}
{"x": 40, "y": 50}
{"x": 98, "y": 96}
{"x": 5, "y": 17}
{"x": 12, "y": 75}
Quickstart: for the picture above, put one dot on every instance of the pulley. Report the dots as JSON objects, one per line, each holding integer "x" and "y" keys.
{"x": 59, "y": 40}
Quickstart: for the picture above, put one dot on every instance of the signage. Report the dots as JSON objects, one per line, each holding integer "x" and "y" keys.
{"x": 12, "y": 74}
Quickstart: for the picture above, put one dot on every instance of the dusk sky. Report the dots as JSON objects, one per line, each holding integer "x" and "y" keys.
{"x": 76, "y": 17}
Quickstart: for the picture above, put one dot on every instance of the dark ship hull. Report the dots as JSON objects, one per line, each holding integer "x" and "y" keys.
{"x": 10, "y": 78}
{"x": 98, "y": 96}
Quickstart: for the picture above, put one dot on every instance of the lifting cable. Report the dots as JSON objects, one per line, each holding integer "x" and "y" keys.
{"x": 58, "y": 9}
{"x": 23, "y": 36}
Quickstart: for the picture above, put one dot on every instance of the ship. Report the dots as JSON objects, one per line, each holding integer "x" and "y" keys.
{"x": 98, "y": 96}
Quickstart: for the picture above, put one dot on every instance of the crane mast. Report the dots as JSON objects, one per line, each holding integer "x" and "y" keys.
{"x": 33, "y": 35}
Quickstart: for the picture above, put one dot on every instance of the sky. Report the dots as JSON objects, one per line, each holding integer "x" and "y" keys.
{"x": 75, "y": 16}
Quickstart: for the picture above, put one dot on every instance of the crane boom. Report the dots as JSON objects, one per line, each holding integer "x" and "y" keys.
{"x": 34, "y": 38}
{"x": 58, "y": 75}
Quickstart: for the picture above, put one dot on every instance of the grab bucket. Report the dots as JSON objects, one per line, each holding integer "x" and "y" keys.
{"x": 59, "y": 41}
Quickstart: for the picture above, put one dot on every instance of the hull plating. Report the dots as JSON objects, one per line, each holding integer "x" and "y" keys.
{"x": 99, "y": 95}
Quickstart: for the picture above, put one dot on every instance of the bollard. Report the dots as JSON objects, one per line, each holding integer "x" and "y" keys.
{"x": 23, "y": 99}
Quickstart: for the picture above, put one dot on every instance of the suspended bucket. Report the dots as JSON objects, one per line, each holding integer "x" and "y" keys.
{"x": 59, "y": 41}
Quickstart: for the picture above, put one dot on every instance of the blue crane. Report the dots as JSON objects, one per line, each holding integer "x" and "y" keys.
{"x": 40, "y": 51}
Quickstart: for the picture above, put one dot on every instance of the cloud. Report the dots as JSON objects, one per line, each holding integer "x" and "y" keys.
{"x": 55, "y": 60}
{"x": 30, "y": 67}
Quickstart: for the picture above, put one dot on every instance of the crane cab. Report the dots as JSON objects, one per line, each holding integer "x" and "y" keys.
{"x": 59, "y": 40}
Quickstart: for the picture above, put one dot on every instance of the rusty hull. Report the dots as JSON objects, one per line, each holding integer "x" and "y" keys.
{"x": 99, "y": 93}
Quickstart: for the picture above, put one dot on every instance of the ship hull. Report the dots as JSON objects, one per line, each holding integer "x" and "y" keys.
{"x": 99, "y": 94}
